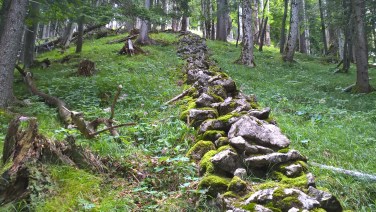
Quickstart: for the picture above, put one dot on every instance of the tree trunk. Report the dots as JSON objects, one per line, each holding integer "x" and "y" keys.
{"x": 256, "y": 21}
{"x": 289, "y": 52}
{"x": 165, "y": 10}
{"x": 184, "y": 23}
{"x": 222, "y": 19}
{"x": 323, "y": 28}
{"x": 67, "y": 36}
{"x": 283, "y": 28}
{"x": 347, "y": 48}
{"x": 31, "y": 35}
{"x": 267, "y": 32}
{"x": 303, "y": 39}
{"x": 263, "y": 34}
{"x": 12, "y": 27}
{"x": 144, "y": 38}
{"x": 246, "y": 56}
{"x": 80, "y": 35}
{"x": 362, "y": 80}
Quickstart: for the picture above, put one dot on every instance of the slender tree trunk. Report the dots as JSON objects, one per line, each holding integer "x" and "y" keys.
{"x": 267, "y": 32}
{"x": 31, "y": 35}
{"x": 347, "y": 49}
{"x": 80, "y": 36}
{"x": 165, "y": 10}
{"x": 222, "y": 19}
{"x": 246, "y": 56}
{"x": 11, "y": 32}
{"x": 362, "y": 80}
{"x": 263, "y": 34}
{"x": 238, "y": 21}
{"x": 256, "y": 21}
{"x": 303, "y": 29}
{"x": 289, "y": 52}
{"x": 283, "y": 28}
{"x": 323, "y": 28}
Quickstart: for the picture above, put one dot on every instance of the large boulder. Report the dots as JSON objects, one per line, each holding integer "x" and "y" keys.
{"x": 242, "y": 146}
{"x": 227, "y": 161}
{"x": 259, "y": 131}
{"x": 327, "y": 200}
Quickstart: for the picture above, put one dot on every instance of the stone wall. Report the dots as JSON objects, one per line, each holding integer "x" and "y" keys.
{"x": 244, "y": 159}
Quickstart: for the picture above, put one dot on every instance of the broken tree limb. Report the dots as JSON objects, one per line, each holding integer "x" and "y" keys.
{"x": 352, "y": 173}
{"x": 113, "y": 127}
{"x": 88, "y": 129}
{"x": 186, "y": 92}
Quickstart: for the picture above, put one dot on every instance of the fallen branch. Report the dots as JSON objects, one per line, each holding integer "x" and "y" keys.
{"x": 88, "y": 129}
{"x": 346, "y": 172}
{"x": 121, "y": 40}
{"x": 113, "y": 127}
{"x": 176, "y": 98}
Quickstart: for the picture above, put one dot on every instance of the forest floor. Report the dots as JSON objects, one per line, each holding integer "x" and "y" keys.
{"x": 306, "y": 98}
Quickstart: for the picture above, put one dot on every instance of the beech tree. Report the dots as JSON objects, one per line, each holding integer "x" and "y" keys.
{"x": 222, "y": 19}
{"x": 144, "y": 38}
{"x": 246, "y": 56}
{"x": 12, "y": 23}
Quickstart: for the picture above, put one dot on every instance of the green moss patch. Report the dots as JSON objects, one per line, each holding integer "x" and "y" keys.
{"x": 215, "y": 184}
{"x": 199, "y": 149}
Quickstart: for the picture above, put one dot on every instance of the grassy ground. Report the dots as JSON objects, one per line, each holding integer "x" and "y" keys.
{"x": 158, "y": 175}
{"x": 328, "y": 126}
{"x": 325, "y": 124}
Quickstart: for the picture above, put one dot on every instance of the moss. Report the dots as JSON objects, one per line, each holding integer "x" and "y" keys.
{"x": 227, "y": 117}
{"x": 215, "y": 184}
{"x": 211, "y": 109}
{"x": 284, "y": 201}
{"x": 231, "y": 194}
{"x": 6, "y": 166}
{"x": 212, "y": 135}
{"x": 222, "y": 141}
{"x": 217, "y": 92}
{"x": 191, "y": 104}
{"x": 206, "y": 166}
{"x": 237, "y": 184}
{"x": 297, "y": 182}
{"x": 272, "y": 207}
{"x": 318, "y": 210}
{"x": 285, "y": 150}
{"x": 250, "y": 207}
{"x": 226, "y": 147}
{"x": 199, "y": 149}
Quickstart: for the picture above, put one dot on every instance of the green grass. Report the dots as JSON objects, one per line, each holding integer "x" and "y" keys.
{"x": 322, "y": 122}
{"x": 152, "y": 153}
{"x": 328, "y": 126}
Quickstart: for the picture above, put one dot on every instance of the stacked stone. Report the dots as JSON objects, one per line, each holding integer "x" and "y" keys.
{"x": 245, "y": 160}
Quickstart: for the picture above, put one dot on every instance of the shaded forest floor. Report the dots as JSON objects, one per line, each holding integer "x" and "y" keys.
{"x": 328, "y": 126}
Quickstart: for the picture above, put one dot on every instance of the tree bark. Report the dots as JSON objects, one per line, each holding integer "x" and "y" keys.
{"x": 222, "y": 19}
{"x": 165, "y": 10}
{"x": 30, "y": 35}
{"x": 362, "y": 79}
{"x": 263, "y": 34}
{"x": 67, "y": 36}
{"x": 246, "y": 56}
{"x": 323, "y": 28}
{"x": 80, "y": 35}
{"x": 283, "y": 28}
{"x": 304, "y": 29}
{"x": 289, "y": 52}
{"x": 144, "y": 38}
{"x": 12, "y": 27}
{"x": 184, "y": 23}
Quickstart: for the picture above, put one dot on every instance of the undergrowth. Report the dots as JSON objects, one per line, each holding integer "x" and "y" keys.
{"x": 327, "y": 125}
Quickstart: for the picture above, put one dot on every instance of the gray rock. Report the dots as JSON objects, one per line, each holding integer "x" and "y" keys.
{"x": 241, "y": 173}
{"x": 273, "y": 158}
{"x": 264, "y": 114}
{"x": 263, "y": 133}
{"x": 293, "y": 170}
{"x": 204, "y": 100}
{"x": 197, "y": 116}
{"x": 311, "y": 180}
{"x": 228, "y": 84}
{"x": 213, "y": 124}
{"x": 326, "y": 200}
{"x": 262, "y": 196}
{"x": 260, "y": 208}
{"x": 293, "y": 209}
{"x": 221, "y": 141}
{"x": 227, "y": 161}
{"x": 241, "y": 105}
{"x": 306, "y": 201}
{"x": 242, "y": 146}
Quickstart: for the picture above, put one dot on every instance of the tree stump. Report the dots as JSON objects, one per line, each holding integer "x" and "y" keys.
{"x": 86, "y": 68}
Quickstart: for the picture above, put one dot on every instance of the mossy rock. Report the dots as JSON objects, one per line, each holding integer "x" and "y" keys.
{"x": 206, "y": 166}
{"x": 212, "y": 135}
{"x": 250, "y": 207}
{"x": 222, "y": 141}
{"x": 237, "y": 185}
{"x": 215, "y": 184}
{"x": 199, "y": 149}
{"x": 218, "y": 92}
